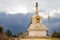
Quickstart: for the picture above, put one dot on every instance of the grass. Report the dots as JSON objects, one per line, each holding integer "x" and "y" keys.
{"x": 46, "y": 39}
{"x": 54, "y": 38}
{"x": 41, "y": 39}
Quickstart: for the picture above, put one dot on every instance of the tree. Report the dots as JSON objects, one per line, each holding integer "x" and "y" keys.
{"x": 56, "y": 34}
{"x": 14, "y": 35}
{"x": 21, "y": 34}
{"x": 2, "y": 34}
{"x": 1, "y": 29}
{"x": 8, "y": 33}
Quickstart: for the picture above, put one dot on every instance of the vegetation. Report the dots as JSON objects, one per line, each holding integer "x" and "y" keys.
{"x": 56, "y": 35}
{"x": 55, "y": 39}
{"x": 14, "y": 36}
{"x": 2, "y": 34}
{"x": 1, "y": 29}
{"x": 8, "y": 33}
{"x": 21, "y": 34}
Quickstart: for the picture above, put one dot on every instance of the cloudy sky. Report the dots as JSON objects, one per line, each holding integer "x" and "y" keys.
{"x": 28, "y": 5}
{"x": 24, "y": 6}
{"x": 15, "y": 13}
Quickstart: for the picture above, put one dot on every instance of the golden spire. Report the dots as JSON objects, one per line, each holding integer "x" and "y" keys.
{"x": 36, "y": 8}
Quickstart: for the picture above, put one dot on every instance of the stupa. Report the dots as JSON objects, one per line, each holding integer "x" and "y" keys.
{"x": 37, "y": 28}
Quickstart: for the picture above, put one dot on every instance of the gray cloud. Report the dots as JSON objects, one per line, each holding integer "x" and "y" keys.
{"x": 19, "y": 22}
{"x": 15, "y": 22}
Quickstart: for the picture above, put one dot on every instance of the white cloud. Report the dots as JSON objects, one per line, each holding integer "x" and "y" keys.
{"x": 15, "y": 10}
{"x": 24, "y": 6}
{"x": 55, "y": 13}
{"x": 58, "y": 11}
{"x": 44, "y": 15}
{"x": 13, "y": 6}
{"x": 52, "y": 13}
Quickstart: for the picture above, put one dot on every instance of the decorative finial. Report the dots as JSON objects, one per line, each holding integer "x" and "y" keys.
{"x": 36, "y": 4}
{"x": 36, "y": 8}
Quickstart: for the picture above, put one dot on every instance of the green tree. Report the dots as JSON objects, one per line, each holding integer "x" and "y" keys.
{"x": 8, "y": 33}
{"x": 56, "y": 34}
{"x": 1, "y": 29}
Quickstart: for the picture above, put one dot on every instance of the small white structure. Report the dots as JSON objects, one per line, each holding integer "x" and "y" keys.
{"x": 36, "y": 28}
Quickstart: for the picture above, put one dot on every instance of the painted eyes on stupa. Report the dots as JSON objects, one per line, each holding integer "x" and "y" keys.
{"x": 38, "y": 19}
